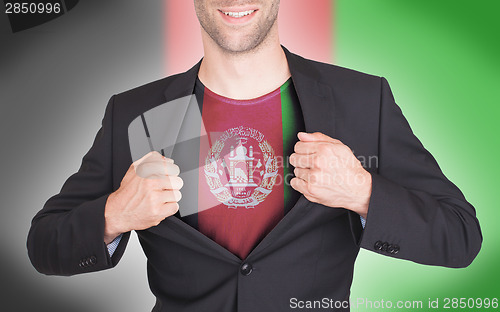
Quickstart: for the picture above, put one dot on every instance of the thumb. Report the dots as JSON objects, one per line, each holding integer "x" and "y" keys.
{"x": 146, "y": 156}
{"x": 316, "y": 137}
{"x": 152, "y": 157}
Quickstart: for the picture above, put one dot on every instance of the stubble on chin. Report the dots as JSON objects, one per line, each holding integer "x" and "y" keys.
{"x": 246, "y": 44}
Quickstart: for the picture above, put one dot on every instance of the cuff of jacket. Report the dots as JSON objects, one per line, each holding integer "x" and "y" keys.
{"x": 382, "y": 201}
{"x": 89, "y": 252}
{"x": 98, "y": 255}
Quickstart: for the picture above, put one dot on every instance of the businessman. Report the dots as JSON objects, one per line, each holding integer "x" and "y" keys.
{"x": 257, "y": 238}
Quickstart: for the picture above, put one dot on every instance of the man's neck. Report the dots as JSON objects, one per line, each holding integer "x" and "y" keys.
{"x": 244, "y": 76}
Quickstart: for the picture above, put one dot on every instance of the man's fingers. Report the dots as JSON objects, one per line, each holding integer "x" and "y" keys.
{"x": 302, "y": 147}
{"x": 316, "y": 137}
{"x": 301, "y": 186}
{"x": 172, "y": 183}
{"x": 302, "y": 161}
{"x": 313, "y": 147}
{"x": 302, "y": 173}
{"x": 152, "y": 154}
{"x": 310, "y": 147}
{"x": 157, "y": 169}
{"x": 165, "y": 183}
{"x": 298, "y": 185}
{"x": 170, "y": 196}
{"x": 171, "y": 208}
{"x": 310, "y": 176}
{"x": 171, "y": 169}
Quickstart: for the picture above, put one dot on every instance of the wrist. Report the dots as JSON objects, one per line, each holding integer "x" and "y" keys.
{"x": 111, "y": 226}
{"x": 361, "y": 201}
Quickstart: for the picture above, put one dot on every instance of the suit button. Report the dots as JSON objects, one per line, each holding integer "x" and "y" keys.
{"x": 93, "y": 260}
{"x": 83, "y": 264}
{"x": 396, "y": 249}
{"x": 246, "y": 269}
{"x": 390, "y": 249}
{"x": 384, "y": 246}
{"x": 378, "y": 245}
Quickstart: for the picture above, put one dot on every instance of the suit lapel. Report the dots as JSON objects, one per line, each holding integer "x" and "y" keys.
{"x": 316, "y": 99}
{"x": 158, "y": 127}
{"x": 182, "y": 84}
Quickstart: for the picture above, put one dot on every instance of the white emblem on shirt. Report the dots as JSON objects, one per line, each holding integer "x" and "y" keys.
{"x": 237, "y": 173}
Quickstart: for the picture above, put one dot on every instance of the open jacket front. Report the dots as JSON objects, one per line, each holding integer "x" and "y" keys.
{"x": 415, "y": 212}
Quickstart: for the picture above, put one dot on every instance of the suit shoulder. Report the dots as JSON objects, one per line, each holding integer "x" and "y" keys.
{"x": 344, "y": 73}
{"x": 351, "y": 82}
{"x": 341, "y": 75}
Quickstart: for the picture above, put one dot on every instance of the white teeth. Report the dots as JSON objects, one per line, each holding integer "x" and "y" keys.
{"x": 239, "y": 14}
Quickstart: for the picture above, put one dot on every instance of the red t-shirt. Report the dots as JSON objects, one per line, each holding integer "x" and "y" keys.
{"x": 244, "y": 189}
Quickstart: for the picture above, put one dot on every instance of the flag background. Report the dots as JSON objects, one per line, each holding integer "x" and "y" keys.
{"x": 442, "y": 61}
{"x": 440, "y": 57}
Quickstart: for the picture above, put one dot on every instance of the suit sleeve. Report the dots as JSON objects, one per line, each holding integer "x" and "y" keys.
{"x": 415, "y": 212}
{"x": 67, "y": 236}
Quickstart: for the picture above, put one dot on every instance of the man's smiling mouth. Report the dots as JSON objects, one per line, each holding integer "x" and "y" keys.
{"x": 239, "y": 14}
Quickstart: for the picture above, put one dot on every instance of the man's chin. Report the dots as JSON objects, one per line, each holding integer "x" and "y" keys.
{"x": 240, "y": 46}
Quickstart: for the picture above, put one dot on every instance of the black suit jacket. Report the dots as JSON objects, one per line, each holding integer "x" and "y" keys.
{"x": 415, "y": 212}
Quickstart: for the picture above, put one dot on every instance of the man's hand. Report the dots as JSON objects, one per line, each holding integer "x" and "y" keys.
{"x": 328, "y": 173}
{"x": 148, "y": 193}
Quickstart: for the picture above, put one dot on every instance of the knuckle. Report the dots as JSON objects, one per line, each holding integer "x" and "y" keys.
{"x": 147, "y": 181}
{"x": 329, "y": 149}
{"x": 299, "y": 161}
{"x": 143, "y": 166}
{"x": 168, "y": 183}
{"x": 323, "y": 148}
{"x": 345, "y": 150}
{"x": 148, "y": 184}
{"x": 318, "y": 161}
{"x": 155, "y": 210}
{"x": 172, "y": 208}
{"x": 177, "y": 195}
{"x": 168, "y": 196}
{"x": 313, "y": 174}
{"x": 144, "y": 170}
{"x": 311, "y": 190}
{"x": 172, "y": 169}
